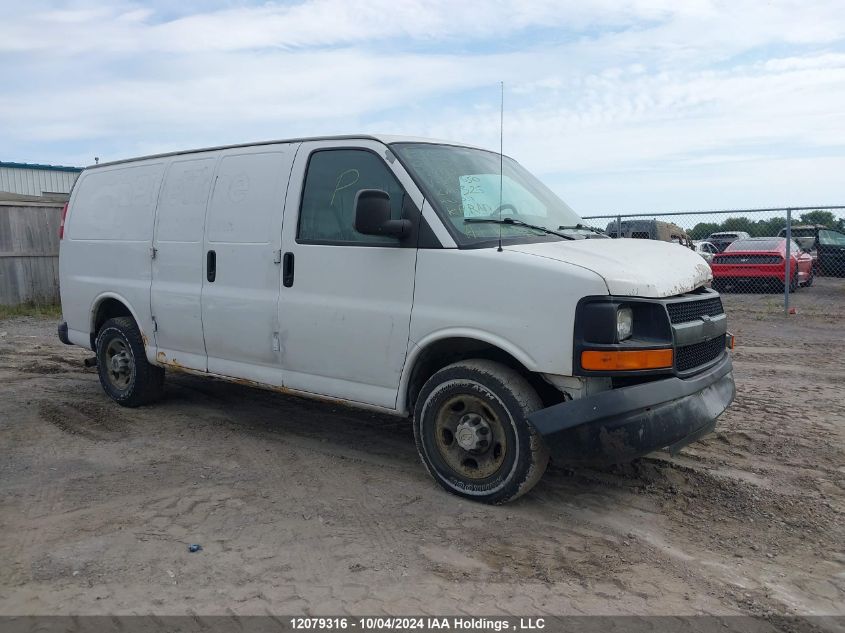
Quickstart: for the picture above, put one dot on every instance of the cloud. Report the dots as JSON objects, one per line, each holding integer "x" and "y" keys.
{"x": 620, "y": 93}
{"x": 127, "y": 27}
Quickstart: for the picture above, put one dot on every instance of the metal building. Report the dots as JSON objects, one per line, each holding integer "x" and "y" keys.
{"x": 48, "y": 181}
{"x": 31, "y": 200}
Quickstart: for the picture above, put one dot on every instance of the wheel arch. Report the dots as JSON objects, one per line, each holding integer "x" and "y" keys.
{"x": 110, "y": 305}
{"x": 439, "y": 350}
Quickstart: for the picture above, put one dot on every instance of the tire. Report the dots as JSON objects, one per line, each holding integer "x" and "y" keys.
{"x": 718, "y": 286}
{"x": 451, "y": 413}
{"x": 125, "y": 374}
{"x": 793, "y": 284}
{"x": 812, "y": 278}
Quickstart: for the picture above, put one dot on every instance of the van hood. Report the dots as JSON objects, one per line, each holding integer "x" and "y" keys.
{"x": 630, "y": 267}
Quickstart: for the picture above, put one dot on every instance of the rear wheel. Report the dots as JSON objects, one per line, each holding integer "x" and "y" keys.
{"x": 125, "y": 374}
{"x": 793, "y": 283}
{"x": 472, "y": 434}
{"x": 810, "y": 280}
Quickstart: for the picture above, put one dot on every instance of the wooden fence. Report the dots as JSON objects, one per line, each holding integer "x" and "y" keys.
{"x": 29, "y": 252}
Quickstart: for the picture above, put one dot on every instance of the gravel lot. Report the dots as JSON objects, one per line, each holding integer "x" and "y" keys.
{"x": 305, "y": 508}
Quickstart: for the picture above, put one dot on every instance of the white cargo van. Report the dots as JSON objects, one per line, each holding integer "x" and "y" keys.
{"x": 403, "y": 275}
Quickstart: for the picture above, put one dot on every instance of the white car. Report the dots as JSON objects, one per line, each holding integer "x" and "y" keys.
{"x": 403, "y": 275}
{"x": 705, "y": 249}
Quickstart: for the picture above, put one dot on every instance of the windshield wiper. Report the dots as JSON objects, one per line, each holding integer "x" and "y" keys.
{"x": 516, "y": 223}
{"x": 583, "y": 227}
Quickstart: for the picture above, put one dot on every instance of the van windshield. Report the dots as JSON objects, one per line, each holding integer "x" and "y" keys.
{"x": 463, "y": 184}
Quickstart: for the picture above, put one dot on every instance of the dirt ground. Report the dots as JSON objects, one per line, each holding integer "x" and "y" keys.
{"x": 306, "y": 509}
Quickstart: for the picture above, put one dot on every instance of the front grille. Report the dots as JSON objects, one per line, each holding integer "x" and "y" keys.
{"x": 747, "y": 259}
{"x": 692, "y": 356}
{"x": 685, "y": 311}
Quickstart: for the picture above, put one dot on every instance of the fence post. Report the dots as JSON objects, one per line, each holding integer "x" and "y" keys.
{"x": 787, "y": 278}
{"x": 619, "y": 225}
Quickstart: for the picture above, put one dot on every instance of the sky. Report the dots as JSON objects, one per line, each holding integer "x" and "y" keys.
{"x": 629, "y": 106}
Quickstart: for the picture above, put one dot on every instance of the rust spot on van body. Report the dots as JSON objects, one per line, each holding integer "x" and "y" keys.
{"x": 284, "y": 390}
{"x": 170, "y": 363}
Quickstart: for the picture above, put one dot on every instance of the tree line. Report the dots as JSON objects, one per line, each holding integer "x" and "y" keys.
{"x": 765, "y": 228}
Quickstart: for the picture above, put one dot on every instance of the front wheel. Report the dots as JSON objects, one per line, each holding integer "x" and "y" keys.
{"x": 125, "y": 374}
{"x": 472, "y": 434}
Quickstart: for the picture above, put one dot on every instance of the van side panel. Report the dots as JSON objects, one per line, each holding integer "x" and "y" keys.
{"x": 492, "y": 297}
{"x": 108, "y": 237}
{"x": 179, "y": 261}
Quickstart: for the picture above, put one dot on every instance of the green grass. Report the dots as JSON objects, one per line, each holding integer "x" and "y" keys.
{"x": 38, "y": 310}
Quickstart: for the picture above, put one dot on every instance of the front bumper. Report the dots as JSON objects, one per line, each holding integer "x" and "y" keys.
{"x": 622, "y": 424}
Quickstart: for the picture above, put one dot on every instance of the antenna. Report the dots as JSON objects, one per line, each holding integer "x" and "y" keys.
{"x": 501, "y": 156}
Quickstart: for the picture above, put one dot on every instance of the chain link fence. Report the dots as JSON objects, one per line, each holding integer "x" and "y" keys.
{"x": 773, "y": 251}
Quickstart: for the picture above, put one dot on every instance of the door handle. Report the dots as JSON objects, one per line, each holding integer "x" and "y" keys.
{"x": 211, "y": 266}
{"x": 287, "y": 270}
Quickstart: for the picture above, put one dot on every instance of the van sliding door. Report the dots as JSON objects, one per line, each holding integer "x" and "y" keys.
{"x": 242, "y": 271}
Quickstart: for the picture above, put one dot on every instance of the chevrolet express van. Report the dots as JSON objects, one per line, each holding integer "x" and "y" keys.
{"x": 404, "y": 275}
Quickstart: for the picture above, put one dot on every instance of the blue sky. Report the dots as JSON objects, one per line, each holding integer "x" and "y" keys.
{"x": 642, "y": 105}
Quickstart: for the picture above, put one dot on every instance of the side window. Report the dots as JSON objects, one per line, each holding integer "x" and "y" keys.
{"x": 831, "y": 238}
{"x": 327, "y": 213}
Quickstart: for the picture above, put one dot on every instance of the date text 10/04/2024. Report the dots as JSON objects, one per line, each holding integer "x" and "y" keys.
{"x": 388, "y": 623}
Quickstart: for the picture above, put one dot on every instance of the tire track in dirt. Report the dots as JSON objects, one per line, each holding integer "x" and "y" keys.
{"x": 93, "y": 421}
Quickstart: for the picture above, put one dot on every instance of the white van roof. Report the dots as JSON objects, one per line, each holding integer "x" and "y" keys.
{"x": 387, "y": 139}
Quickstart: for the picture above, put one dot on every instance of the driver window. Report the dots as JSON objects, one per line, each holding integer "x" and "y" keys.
{"x": 327, "y": 214}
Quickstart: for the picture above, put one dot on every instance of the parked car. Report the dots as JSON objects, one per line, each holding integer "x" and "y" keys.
{"x": 723, "y": 239}
{"x": 705, "y": 249}
{"x": 826, "y": 246}
{"x": 649, "y": 230}
{"x": 410, "y": 277}
{"x": 831, "y": 250}
{"x": 761, "y": 260}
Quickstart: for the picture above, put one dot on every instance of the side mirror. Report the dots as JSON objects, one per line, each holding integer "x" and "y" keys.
{"x": 372, "y": 215}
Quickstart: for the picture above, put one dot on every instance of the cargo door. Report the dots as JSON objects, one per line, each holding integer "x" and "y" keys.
{"x": 242, "y": 267}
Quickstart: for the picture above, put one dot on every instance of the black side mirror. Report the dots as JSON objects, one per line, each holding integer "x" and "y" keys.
{"x": 372, "y": 215}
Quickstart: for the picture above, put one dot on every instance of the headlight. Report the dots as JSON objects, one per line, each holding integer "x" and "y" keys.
{"x": 624, "y": 323}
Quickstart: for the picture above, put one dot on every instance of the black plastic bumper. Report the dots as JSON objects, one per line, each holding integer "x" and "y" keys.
{"x": 623, "y": 424}
{"x": 63, "y": 333}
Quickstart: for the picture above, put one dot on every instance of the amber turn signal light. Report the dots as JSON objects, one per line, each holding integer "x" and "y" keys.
{"x": 627, "y": 360}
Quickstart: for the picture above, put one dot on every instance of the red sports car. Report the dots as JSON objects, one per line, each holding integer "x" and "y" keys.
{"x": 753, "y": 261}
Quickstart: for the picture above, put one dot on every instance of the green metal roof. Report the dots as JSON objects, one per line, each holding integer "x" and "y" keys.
{"x": 42, "y": 167}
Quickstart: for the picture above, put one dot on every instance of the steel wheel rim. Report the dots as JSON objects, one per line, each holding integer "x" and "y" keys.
{"x": 118, "y": 363}
{"x": 469, "y": 420}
